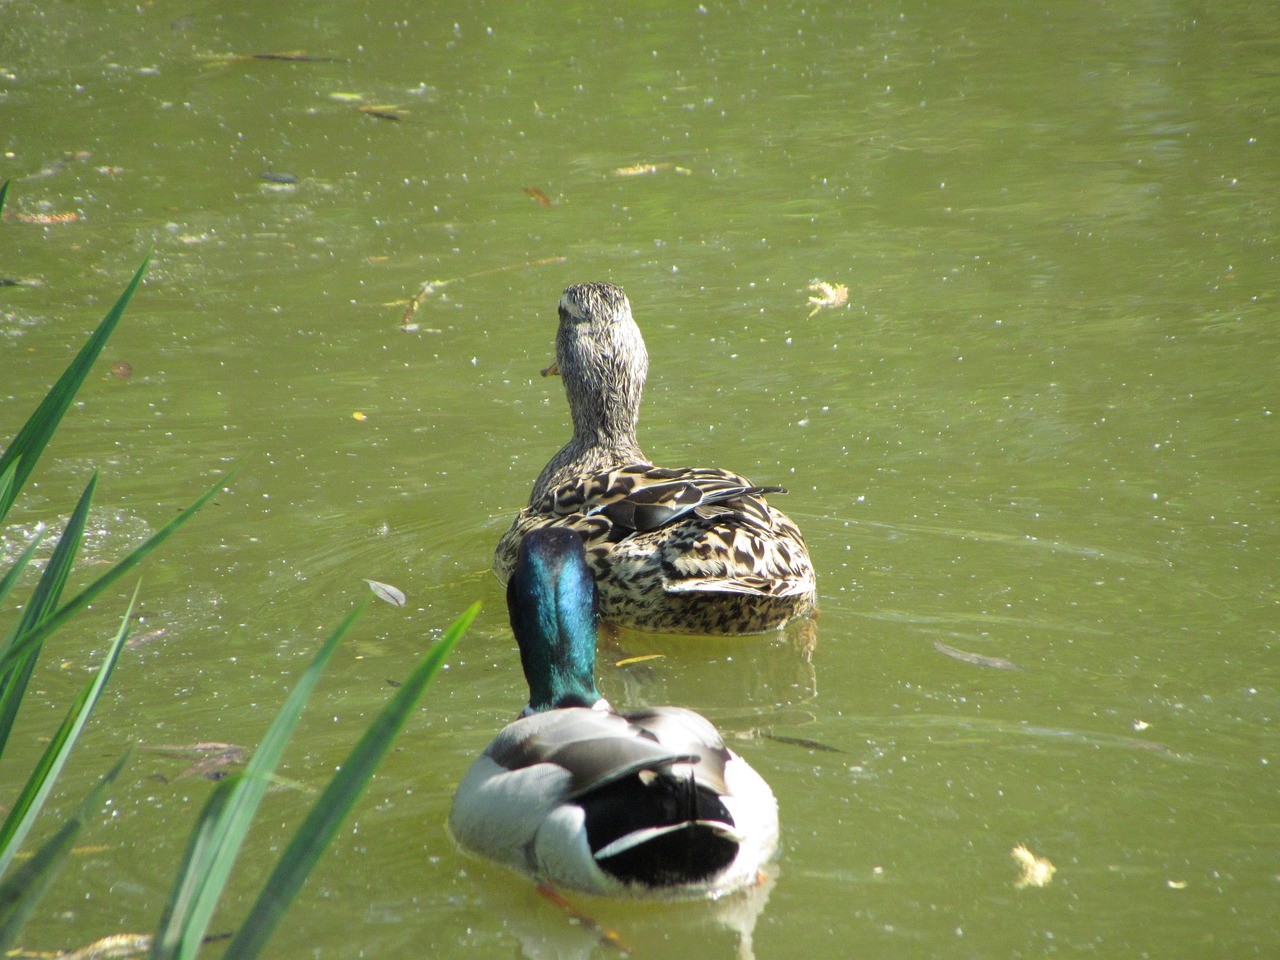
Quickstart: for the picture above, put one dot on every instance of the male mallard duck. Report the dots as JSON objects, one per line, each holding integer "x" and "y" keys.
{"x": 575, "y": 794}
{"x": 696, "y": 550}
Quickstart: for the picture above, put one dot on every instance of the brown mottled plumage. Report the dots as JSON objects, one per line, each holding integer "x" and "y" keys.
{"x": 696, "y": 550}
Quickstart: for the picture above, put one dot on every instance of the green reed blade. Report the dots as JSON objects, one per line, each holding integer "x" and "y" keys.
{"x": 20, "y": 892}
{"x": 226, "y": 819}
{"x": 11, "y": 577}
{"x": 24, "y": 639}
{"x": 29, "y": 803}
{"x": 328, "y": 812}
{"x": 15, "y": 674}
{"x": 7, "y": 478}
{"x": 39, "y": 428}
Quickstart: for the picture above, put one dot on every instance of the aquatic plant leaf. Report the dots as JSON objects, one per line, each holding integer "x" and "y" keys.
{"x": 328, "y": 812}
{"x": 20, "y": 892}
{"x": 31, "y": 440}
{"x": 36, "y": 791}
{"x": 386, "y": 592}
{"x": 225, "y": 820}
{"x": 14, "y": 572}
{"x": 27, "y": 638}
{"x": 16, "y": 671}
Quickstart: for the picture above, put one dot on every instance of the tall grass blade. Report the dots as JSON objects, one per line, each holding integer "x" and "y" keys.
{"x": 29, "y": 803}
{"x": 11, "y": 576}
{"x": 226, "y": 819}
{"x": 7, "y": 479}
{"x": 35, "y": 433}
{"x": 4, "y": 192}
{"x": 15, "y": 675}
{"x": 328, "y": 812}
{"x": 20, "y": 893}
{"x": 24, "y": 640}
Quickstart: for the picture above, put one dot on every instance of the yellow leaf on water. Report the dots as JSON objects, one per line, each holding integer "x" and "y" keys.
{"x": 638, "y": 169}
{"x": 640, "y": 659}
{"x": 1035, "y": 871}
{"x": 359, "y": 416}
{"x": 830, "y": 295}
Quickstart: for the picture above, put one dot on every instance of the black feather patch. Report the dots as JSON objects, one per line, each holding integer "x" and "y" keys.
{"x": 657, "y": 799}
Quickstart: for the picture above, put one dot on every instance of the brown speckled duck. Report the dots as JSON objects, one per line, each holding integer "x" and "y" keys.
{"x": 693, "y": 550}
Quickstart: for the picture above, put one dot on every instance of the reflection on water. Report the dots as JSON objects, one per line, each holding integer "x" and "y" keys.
{"x": 578, "y": 926}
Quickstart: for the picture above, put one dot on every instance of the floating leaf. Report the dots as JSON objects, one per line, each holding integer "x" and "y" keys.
{"x": 385, "y": 111}
{"x": 627, "y": 661}
{"x": 537, "y": 196}
{"x": 48, "y": 218}
{"x": 359, "y": 416}
{"x": 1036, "y": 871}
{"x": 213, "y": 760}
{"x": 830, "y": 295}
{"x": 639, "y": 169}
{"x": 996, "y": 663}
{"x": 122, "y": 370}
{"x": 294, "y": 56}
{"x": 385, "y": 591}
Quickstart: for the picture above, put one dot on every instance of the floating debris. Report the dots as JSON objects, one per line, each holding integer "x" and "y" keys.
{"x": 1035, "y": 871}
{"x": 830, "y": 295}
{"x": 628, "y": 661}
{"x": 538, "y": 197}
{"x": 213, "y": 761}
{"x": 386, "y": 111}
{"x": 640, "y": 169}
{"x": 430, "y": 287}
{"x": 800, "y": 742}
{"x": 295, "y": 56}
{"x": 122, "y": 370}
{"x": 48, "y": 218}
{"x": 386, "y": 592}
{"x": 118, "y": 946}
{"x": 996, "y": 663}
{"x": 137, "y": 640}
{"x": 358, "y": 415}
{"x": 272, "y": 177}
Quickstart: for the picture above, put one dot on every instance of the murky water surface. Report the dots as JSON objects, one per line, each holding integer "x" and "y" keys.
{"x": 1042, "y": 429}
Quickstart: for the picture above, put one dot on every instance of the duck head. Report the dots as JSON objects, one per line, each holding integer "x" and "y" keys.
{"x": 602, "y": 358}
{"x": 551, "y": 599}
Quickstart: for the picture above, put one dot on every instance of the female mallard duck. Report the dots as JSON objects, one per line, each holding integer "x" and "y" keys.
{"x": 577, "y": 795}
{"x": 697, "y": 550}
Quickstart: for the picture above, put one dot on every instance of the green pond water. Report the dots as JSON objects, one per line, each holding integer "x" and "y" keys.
{"x": 1042, "y": 429}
